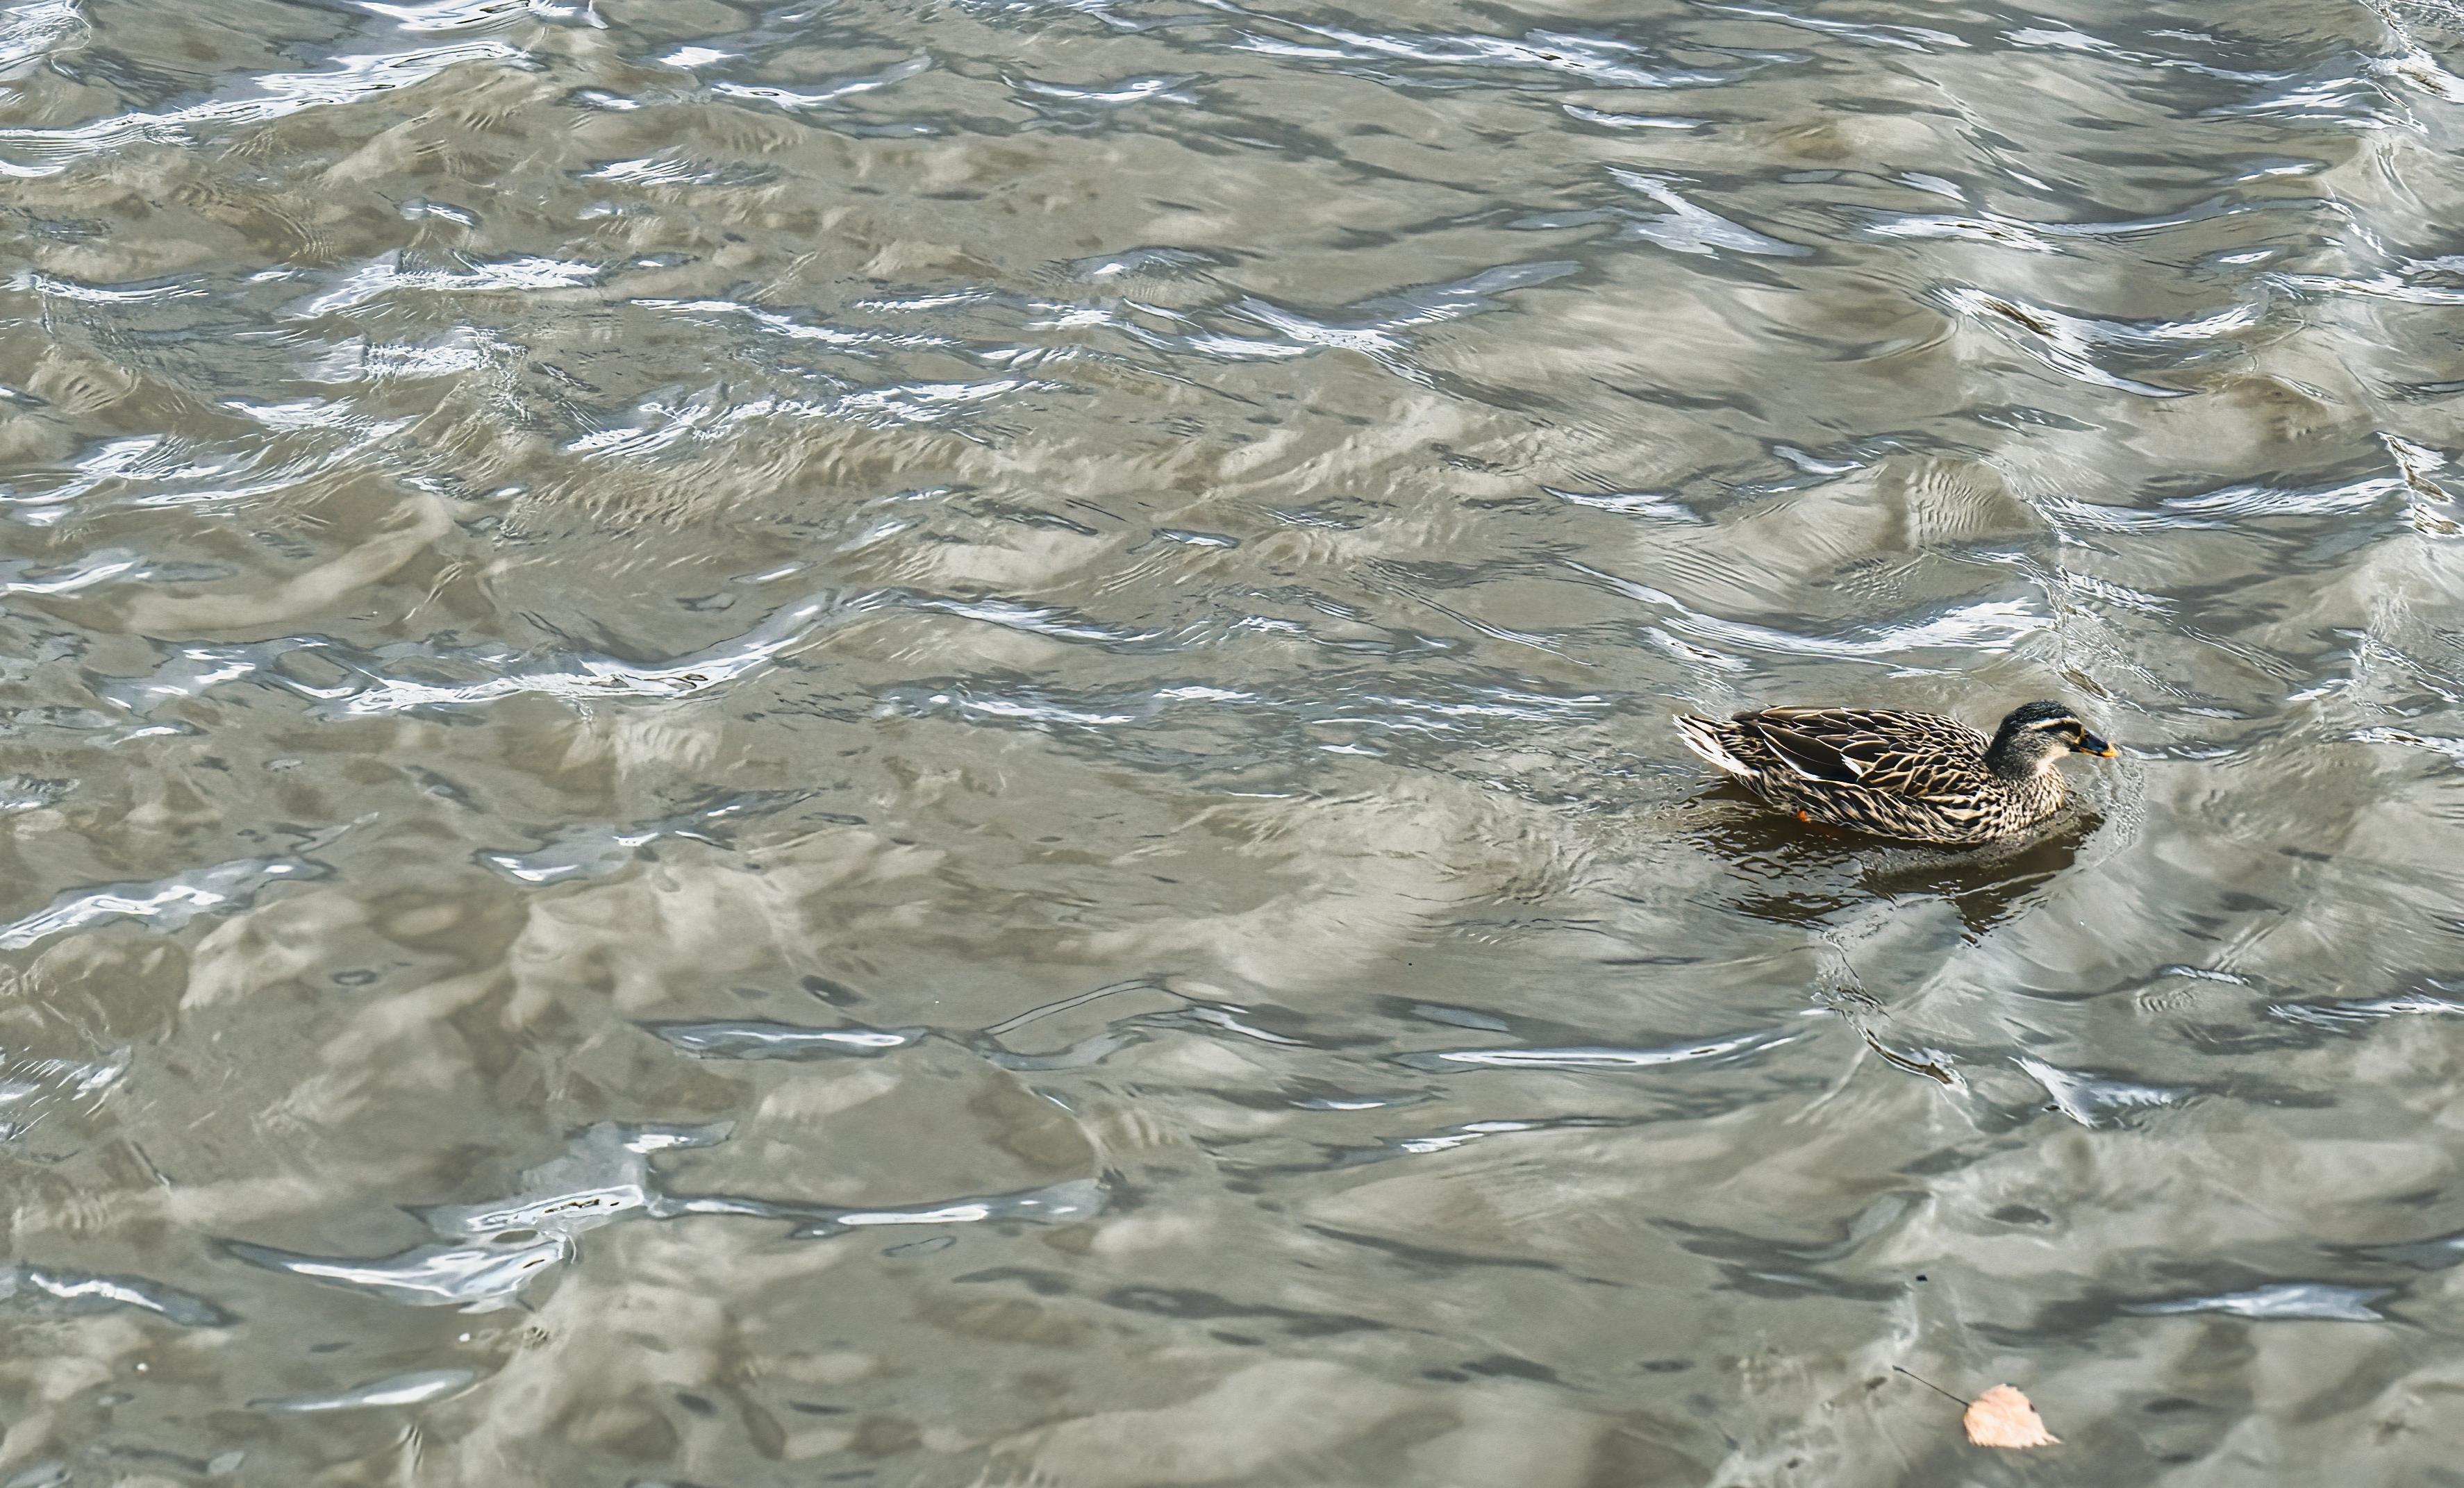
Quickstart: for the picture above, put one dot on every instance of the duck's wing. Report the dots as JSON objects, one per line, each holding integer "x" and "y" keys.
{"x": 1714, "y": 739}
{"x": 1922, "y": 755}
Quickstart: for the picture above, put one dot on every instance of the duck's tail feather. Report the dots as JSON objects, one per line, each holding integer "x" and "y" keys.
{"x": 1702, "y": 736}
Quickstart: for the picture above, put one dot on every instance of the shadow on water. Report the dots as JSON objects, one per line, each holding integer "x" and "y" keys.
{"x": 1790, "y": 874}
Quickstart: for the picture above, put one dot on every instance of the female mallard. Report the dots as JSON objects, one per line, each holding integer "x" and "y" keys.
{"x": 1917, "y": 776}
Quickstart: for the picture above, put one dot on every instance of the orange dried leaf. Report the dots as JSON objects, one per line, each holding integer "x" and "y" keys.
{"x": 2003, "y": 1418}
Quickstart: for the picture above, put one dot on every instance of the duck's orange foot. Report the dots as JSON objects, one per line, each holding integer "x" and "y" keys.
{"x": 1805, "y": 817}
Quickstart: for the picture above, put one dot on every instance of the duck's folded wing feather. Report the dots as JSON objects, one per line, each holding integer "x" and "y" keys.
{"x": 1901, "y": 753}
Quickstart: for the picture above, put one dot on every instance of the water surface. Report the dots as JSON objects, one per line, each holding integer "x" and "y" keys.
{"x": 925, "y": 741}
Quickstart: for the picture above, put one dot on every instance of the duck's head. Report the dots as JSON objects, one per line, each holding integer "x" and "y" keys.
{"x": 2037, "y": 735}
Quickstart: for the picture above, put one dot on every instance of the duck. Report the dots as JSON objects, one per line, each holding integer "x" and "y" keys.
{"x": 1914, "y": 778}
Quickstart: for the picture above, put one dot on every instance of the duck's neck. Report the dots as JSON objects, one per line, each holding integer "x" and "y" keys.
{"x": 2015, "y": 757}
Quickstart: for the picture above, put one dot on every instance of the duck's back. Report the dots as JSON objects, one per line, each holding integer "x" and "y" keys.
{"x": 1919, "y": 754}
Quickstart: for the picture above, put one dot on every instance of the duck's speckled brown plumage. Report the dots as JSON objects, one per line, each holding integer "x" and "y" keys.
{"x": 1916, "y": 777}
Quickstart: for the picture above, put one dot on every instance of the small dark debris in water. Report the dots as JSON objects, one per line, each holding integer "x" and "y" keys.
{"x": 1458, "y": 1017}
{"x": 836, "y": 994}
{"x": 1043, "y": 1283}
{"x": 1507, "y": 1365}
{"x": 1909, "y": 1062}
{"x": 2011, "y": 311}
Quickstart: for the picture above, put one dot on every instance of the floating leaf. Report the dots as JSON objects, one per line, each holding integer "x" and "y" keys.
{"x": 2003, "y": 1418}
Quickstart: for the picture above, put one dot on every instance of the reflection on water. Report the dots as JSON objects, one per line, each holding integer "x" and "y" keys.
{"x": 927, "y": 744}
{"x": 1813, "y": 876}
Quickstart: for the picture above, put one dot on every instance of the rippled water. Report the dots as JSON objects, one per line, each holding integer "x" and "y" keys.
{"x": 925, "y": 741}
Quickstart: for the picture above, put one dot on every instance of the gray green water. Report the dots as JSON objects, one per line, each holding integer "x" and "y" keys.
{"x": 925, "y": 741}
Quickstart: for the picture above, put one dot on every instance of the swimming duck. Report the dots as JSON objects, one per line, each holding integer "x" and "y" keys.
{"x": 1920, "y": 777}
